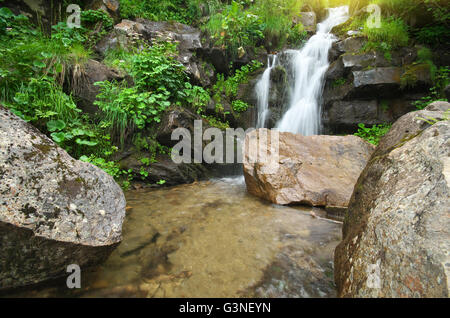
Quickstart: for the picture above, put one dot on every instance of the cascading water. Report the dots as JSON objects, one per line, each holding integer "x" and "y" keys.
{"x": 308, "y": 67}
{"x": 262, "y": 92}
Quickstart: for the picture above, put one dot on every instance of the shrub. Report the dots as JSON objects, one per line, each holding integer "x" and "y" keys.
{"x": 126, "y": 109}
{"x": 154, "y": 69}
{"x": 235, "y": 27}
{"x": 184, "y": 11}
{"x": 239, "y": 106}
{"x": 393, "y": 33}
{"x": 374, "y": 133}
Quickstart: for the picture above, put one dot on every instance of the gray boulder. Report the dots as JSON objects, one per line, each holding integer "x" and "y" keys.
{"x": 54, "y": 210}
{"x": 396, "y": 236}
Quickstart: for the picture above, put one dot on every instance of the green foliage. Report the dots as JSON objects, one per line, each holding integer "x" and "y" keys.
{"x": 435, "y": 14}
{"x": 13, "y": 25}
{"x": 154, "y": 69}
{"x": 94, "y": 18}
{"x": 393, "y": 33}
{"x": 235, "y": 27}
{"x": 229, "y": 87}
{"x": 125, "y": 109}
{"x": 239, "y": 106}
{"x": 194, "y": 96}
{"x": 431, "y": 120}
{"x": 277, "y": 17}
{"x": 215, "y": 122}
{"x": 112, "y": 168}
{"x": 184, "y": 11}
{"x": 338, "y": 82}
{"x": 42, "y": 99}
{"x": 442, "y": 79}
{"x": 374, "y": 133}
{"x": 26, "y": 53}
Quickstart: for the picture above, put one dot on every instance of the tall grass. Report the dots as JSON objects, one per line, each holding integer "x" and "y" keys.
{"x": 393, "y": 32}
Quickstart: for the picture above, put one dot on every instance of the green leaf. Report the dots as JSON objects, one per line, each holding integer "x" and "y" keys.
{"x": 86, "y": 142}
{"x": 58, "y": 137}
{"x": 39, "y": 64}
{"x": 56, "y": 125}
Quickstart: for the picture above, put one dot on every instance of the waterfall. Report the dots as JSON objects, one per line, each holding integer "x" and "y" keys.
{"x": 262, "y": 92}
{"x": 307, "y": 67}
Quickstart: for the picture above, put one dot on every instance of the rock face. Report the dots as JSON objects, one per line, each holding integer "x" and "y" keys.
{"x": 54, "y": 210}
{"x": 86, "y": 91}
{"x": 188, "y": 41}
{"x": 315, "y": 170}
{"x": 396, "y": 237}
{"x": 370, "y": 87}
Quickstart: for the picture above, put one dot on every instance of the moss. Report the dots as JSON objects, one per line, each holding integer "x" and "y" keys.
{"x": 339, "y": 82}
{"x": 44, "y": 148}
{"x": 413, "y": 73}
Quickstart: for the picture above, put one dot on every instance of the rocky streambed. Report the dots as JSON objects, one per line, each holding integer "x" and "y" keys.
{"x": 211, "y": 239}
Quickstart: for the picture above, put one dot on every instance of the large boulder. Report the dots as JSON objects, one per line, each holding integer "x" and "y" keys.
{"x": 54, "y": 210}
{"x": 314, "y": 170}
{"x": 396, "y": 236}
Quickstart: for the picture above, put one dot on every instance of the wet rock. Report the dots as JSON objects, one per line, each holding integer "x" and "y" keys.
{"x": 378, "y": 76}
{"x": 343, "y": 116}
{"x": 350, "y": 45}
{"x": 336, "y": 70}
{"x": 164, "y": 169}
{"x": 314, "y": 170}
{"x": 85, "y": 90}
{"x": 358, "y": 61}
{"x": 54, "y": 211}
{"x": 395, "y": 236}
{"x": 349, "y": 113}
{"x": 176, "y": 118}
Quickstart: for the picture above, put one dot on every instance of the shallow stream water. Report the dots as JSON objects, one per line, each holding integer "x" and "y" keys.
{"x": 212, "y": 239}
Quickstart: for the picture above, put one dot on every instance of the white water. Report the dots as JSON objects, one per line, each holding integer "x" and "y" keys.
{"x": 262, "y": 92}
{"x": 308, "y": 67}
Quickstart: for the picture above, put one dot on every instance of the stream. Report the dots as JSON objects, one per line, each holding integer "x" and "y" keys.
{"x": 211, "y": 239}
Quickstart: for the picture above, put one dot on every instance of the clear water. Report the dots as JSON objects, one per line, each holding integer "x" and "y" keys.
{"x": 211, "y": 239}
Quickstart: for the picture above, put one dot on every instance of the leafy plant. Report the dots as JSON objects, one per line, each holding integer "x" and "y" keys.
{"x": 156, "y": 70}
{"x": 239, "y": 106}
{"x": 234, "y": 27}
{"x": 374, "y": 133}
{"x": 441, "y": 80}
{"x": 125, "y": 109}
